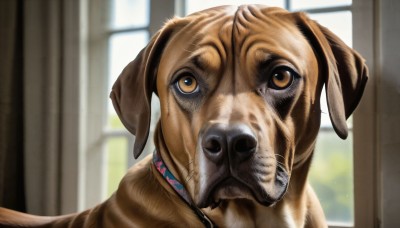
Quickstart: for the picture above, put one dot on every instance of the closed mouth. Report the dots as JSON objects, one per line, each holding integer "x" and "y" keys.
{"x": 230, "y": 188}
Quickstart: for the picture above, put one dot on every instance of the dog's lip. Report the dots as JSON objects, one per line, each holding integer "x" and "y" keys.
{"x": 230, "y": 187}
{"x": 227, "y": 188}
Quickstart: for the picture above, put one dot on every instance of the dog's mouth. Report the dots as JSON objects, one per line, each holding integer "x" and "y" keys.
{"x": 229, "y": 188}
{"x": 232, "y": 188}
{"x": 232, "y": 165}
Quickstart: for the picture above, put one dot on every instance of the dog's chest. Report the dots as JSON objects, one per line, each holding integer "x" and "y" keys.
{"x": 282, "y": 218}
{"x": 261, "y": 217}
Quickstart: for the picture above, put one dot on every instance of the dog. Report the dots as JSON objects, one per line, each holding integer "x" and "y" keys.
{"x": 239, "y": 91}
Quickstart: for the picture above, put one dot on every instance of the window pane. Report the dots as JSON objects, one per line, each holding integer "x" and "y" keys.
{"x": 331, "y": 176}
{"x": 123, "y": 48}
{"x": 116, "y": 162}
{"x": 325, "y": 119}
{"x": 193, "y": 6}
{"x": 340, "y": 23}
{"x": 129, "y": 13}
{"x": 307, "y": 4}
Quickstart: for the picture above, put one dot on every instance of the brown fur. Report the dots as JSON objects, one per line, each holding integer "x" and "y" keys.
{"x": 228, "y": 49}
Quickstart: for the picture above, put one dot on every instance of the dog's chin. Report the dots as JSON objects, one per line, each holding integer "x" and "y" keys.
{"x": 233, "y": 189}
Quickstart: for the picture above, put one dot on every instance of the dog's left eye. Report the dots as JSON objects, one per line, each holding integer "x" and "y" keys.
{"x": 281, "y": 78}
{"x": 187, "y": 84}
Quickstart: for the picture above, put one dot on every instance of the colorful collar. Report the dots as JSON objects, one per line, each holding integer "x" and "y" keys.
{"x": 179, "y": 189}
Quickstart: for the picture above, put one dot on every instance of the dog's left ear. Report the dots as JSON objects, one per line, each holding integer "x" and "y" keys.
{"x": 131, "y": 93}
{"x": 344, "y": 70}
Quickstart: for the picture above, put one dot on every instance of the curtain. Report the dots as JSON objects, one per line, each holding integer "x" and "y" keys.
{"x": 11, "y": 106}
{"x": 43, "y": 104}
{"x": 40, "y": 105}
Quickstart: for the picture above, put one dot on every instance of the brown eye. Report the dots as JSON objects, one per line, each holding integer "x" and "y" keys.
{"x": 281, "y": 79}
{"x": 187, "y": 84}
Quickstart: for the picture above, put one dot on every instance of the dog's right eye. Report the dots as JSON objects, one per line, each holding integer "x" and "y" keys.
{"x": 187, "y": 84}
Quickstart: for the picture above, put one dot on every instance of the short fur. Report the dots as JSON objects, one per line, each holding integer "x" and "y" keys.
{"x": 232, "y": 53}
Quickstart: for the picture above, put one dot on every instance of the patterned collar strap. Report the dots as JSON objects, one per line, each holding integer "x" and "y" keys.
{"x": 179, "y": 188}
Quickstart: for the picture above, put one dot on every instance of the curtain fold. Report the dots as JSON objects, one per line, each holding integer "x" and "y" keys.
{"x": 53, "y": 105}
{"x": 43, "y": 104}
{"x": 40, "y": 105}
{"x": 11, "y": 106}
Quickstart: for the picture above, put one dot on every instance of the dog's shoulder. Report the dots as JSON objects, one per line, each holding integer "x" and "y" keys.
{"x": 145, "y": 199}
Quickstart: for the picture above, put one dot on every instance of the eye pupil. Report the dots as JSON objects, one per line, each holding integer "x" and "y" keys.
{"x": 188, "y": 81}
{"x": 279, "y": 77}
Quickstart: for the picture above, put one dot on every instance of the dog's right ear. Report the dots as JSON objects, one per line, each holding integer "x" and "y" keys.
{"x": 131, "y": 93}
{"x": 344, "y": 71}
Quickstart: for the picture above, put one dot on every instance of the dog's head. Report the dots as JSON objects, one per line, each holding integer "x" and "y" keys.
{"x": 240, "y": 97}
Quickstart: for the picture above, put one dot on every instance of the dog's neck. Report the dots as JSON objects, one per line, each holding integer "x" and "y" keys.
{"x": 179, "y": 171}
{"x": 179, "y": 188}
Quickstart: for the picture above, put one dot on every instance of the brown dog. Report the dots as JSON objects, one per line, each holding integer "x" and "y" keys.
{"x": 240, "y": 111}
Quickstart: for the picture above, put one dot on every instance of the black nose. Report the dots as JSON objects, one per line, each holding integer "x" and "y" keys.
{"x": 236, "y": 141}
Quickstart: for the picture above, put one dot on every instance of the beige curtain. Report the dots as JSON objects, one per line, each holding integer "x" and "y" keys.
{"x": 51, "y": 113}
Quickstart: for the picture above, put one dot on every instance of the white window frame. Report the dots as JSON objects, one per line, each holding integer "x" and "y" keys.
{"x": 365, "y": 154}
{"x": 364, "y": 125}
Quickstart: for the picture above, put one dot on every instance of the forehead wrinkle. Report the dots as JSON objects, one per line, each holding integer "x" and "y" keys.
{"x": 210, "y": 32}
{"x": 207, "y": 58}
{"x": 251, "y": 19}
{"x": 261, "y": 52}
{"x": 273, "y": 34}
{"x": 200, "y": 24}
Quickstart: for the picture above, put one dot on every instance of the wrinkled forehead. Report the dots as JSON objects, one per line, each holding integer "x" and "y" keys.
{"x": 202, "y": 39}
{"x": 261, "y": 33}
{"x": 212, "y": 38}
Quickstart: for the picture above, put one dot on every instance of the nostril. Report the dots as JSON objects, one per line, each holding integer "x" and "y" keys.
{"x": 245, "y": 144}
{"x": 212, "y": 145}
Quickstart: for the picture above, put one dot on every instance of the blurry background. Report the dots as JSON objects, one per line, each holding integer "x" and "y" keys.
{"x": 64, "y": 149}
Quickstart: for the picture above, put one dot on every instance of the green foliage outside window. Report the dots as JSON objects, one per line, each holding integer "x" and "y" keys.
{"x": 331, "y": 176}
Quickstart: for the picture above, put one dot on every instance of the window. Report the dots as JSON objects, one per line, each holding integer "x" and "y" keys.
{"x": 127, "y": 36}
{"x": 118, "y": 30}
{"x": 124, "y": 29}
{"x": 116, "y": 38}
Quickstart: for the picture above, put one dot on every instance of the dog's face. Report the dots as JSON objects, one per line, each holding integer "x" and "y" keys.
{"x": 231, "y": 93}
{"x": 239, "y": 92}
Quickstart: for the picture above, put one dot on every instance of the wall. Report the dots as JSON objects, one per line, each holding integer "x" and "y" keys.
{"x": 389, "y": 111}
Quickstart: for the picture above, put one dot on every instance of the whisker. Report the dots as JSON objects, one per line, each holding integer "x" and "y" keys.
{"x": 281, "y": 156}
{"x": 280, "y": 163}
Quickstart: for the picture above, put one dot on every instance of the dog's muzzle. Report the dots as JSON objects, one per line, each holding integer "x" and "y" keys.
{"x": 232, "y": 165}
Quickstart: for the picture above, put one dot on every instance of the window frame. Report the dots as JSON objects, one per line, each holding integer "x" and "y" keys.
{"x": 365, "y": 41}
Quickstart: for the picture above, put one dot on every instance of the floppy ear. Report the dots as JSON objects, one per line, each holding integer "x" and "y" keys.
{"x": 131, "y": 93}
{"x": 344, "y": 70}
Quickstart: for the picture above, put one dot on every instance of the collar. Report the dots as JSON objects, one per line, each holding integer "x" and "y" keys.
{"x": 179, "y": 189}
